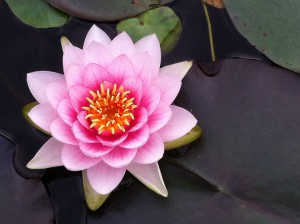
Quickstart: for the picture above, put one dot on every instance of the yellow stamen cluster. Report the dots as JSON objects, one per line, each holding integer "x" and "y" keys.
{"x": 109, "y": 110}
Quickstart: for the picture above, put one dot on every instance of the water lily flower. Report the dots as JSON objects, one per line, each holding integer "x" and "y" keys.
{"x": 111, "y": 110}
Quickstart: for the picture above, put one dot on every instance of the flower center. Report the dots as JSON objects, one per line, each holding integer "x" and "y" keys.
{"x": 109, "y": 110}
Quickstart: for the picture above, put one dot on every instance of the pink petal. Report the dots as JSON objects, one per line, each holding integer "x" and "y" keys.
{"x": 140, "y": 118}
{"x": 169, "y": 80}
{"x": 152, "y": 151}
{"x": 74, "y": 75}
{"x": 150, "y": 99}
{"x": 103, "y": 178}
{"x": 181, "y": 122}
{"x": 56, "y": 92}
{"x": 66, "y": 112}
{"x": 112, "y": 140}
{"x": 62, "y": 132}
{"x": 49, "y": 155}
{"x": 78, "y": 95}
{"x": 121, "y": 68}
{"x": 83, "y": 134}
{"x": 97, "y": 35}
{"x": 151, "y": 45}
{"x": 72, "y": 55}
{"x": 37, "y": 82}
{"x": 119, "y": 157}
{"x": 94, "y": 75}
{"x": 75, "y": 160}
{"x": 150, "y": 175}
{"x": 159, "y": 117}
{"x": 98, "y": 54}
{"x": 142, "y": 67}
{"x": 134, "y": 85}
{"x": 136, "y": 139}
{"x": 122, "y": 44}
{"x": 42, "y": 115}
{"x": 94, "y": 149}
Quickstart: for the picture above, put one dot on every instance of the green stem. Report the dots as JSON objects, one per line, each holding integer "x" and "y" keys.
{"x": 211, "y": 41}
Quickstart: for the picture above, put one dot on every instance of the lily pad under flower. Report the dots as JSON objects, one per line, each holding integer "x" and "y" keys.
{"x": 111, "y": 110}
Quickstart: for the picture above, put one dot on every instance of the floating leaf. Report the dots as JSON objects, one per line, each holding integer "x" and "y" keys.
{"x": 93, "y": 199}
{"x": 105, "y": 10}
{"x": 270, "y": 27}
{"x": 193, "y": 135}
{"x": 161, "y": 21}
{"x": 25, "y": 110}
{"x": 216, "y": 3}
{"x": 37, "y": 13}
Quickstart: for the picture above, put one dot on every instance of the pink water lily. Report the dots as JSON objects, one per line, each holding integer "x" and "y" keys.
{"x": 111, "y": 110}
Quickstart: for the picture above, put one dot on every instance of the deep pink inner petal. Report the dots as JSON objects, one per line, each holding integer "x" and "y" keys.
{"x": 119, "y": 157}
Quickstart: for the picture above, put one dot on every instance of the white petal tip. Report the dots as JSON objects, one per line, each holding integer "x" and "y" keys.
{"x": 186, "y": 67}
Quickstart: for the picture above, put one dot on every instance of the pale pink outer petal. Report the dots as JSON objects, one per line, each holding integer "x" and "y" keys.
{"x": 151, "y": 45}
{"x": 49, "y": 155}
{"x": 42, "y": 115}
{"x": 74, "y": 75}
{"x": 119, "y": 157}
{"x": 141, "y": 62}
{"x": 72, "y": 55}
{"x": 152, "y": 151}
{"x": 75, "y": 160}
{"x": 122, "y": 44}
{"x": 150, "y": 99}
{"x": 169, "y": 80}
{"x": 181, "y": 122}
{"x": 159, "y": 117}
{"x": 98, "y": 54}
{"x": 66, "y": 112}
{"x": 94, "y": 149}
{"x": 134, "y": 85}
{"x": 37, "y": 82}
{"x": 103, "y": 178}
{"x": 121, "y": 68}
{"x": 62, "y": 132}
{"x": 56, "y": 92}
{"x": 136, "y": 139}
{"x": 94, "y": 75}
{"x": 150, "y": 175}
{"x": 83, "y": 134}
{"x": 78, "y": 96}
{"x": 97, "y": 35}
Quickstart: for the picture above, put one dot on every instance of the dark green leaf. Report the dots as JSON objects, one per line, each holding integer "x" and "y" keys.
{"x": 271, "y": 26}
{"x": 105, "y": 10}
{"x": 37, "y": 13}
{"x": 160, "y": 21}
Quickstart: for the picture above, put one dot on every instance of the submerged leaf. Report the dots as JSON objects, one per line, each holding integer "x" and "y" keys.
{"x": 193, "y": 135}
{"x": 37, "y": 13}
{"x": 105, "y": 10}
{"x": 160, "y": 21}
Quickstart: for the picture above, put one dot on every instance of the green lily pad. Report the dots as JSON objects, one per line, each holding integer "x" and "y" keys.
{"x": 37, "y": 13}
{"x": 105, "y": 10}
{"x": 193, "y": 135}
{"x": 271, "y": 27}
{"x": 161, "y": 21}
{"x": 25, "y": 110}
